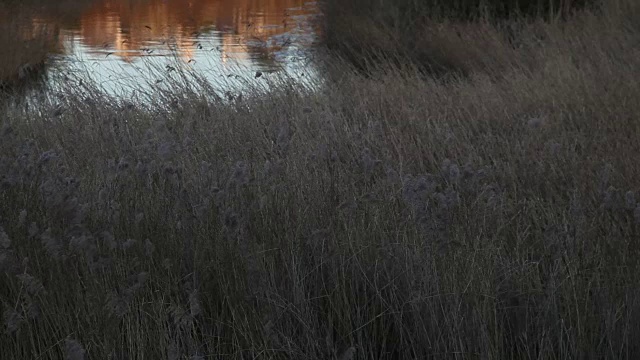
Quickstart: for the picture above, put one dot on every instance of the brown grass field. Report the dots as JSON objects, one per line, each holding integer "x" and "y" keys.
{"x": 487, "y": 212}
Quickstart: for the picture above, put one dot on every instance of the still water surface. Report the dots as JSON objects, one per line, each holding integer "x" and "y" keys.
{"x": 229, "y": 42}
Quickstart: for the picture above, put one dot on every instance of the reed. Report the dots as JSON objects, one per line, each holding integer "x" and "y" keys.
{"x": 26, "y": 46}
{"x": 389, "y": 216}
{"x": 368, "y": 32}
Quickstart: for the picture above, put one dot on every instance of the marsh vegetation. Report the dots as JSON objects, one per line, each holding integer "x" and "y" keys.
{"x": 385, "y": 213}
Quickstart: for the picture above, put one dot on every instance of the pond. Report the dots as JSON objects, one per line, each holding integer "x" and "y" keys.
{"x": 121, "y": 44}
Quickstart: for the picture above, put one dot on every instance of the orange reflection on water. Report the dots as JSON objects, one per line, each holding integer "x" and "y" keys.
{"x": 239, "y": 29}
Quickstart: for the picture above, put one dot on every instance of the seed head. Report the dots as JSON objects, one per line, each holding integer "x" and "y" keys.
{"x": 231, "y": 220}
{"x": 11, "y": 318}
{"x": 446, "y": 163}
{"x": 454, "y": 173}
{"x": 348, "y": 354}
{"x": 194, "y": 303}
{"x": 283, "y": 138}
{"x": 139, "y": 218}
{"x": 47, "y": 157}
{"x": 164, "y": 150}
{"x": 609, "y": 200}
{"x": 368, "y": 161}
{"x": 5, "y": 242}
{"x": 141, "y": 169}
{"x": 32, "y": 285}
{"x": 128, "y": 244}
{"x": 240, "y": 175}
{"x": 118, "y": 305}
{"x": 123, "y": 164}
{"x": 51, "y": 245}
{"x": 73, "y": 350}
{"x": 535, "y": 122}
{"x": 33, "y": 229}
{"x": 630, "y": 200}
{"x": 554, "y": 147}
{"x": 148, "y": 248}
{"x": 22, "y": 218}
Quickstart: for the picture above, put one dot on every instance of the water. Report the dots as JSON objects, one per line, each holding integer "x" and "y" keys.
{"x": 230, "y": 42}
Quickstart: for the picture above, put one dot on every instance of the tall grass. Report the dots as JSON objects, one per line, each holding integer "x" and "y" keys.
{"x": 25, "y": 48}
{"x": 389, "y": 216}
{"x": 29, "y": 33}
{"x": 425, "y": 32}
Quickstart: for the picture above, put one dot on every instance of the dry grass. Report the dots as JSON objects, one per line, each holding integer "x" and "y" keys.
{"x": 29, "y": 32}
{"x": 490, "y": 216}
{"x": 25, "y": 47}
{"x": 434, "y": 35}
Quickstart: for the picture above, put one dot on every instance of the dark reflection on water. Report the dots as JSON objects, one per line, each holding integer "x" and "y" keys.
{"x": 111, "y": 40}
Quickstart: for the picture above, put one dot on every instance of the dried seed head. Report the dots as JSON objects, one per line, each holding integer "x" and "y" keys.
{"x": 5, "y": 242}
{"x": 368, "y": 161}
{"x": 123, "y": 164}
{"x": 141, "y": 169}
{"x": 441, "y": 199}
{"x": 446, "y": 163}
{"x": 194, "y": 304}
{"x": 102, "y": 195}
{"x": 605, "y": 177}
{"x": 137, "y": 281}
{"x": 348, "y": 354}
{"x": 535, "y": 122}
{"x": 267, "y": 168}
{"x": 5, "y": 261}
{"x": 164, "y": 150}
{"x": 128, "y": 244}
{"x": 72, "y": 183}
{"x": 108, "y": 239}
{"x": 425, "y": 184}
{"x": 452, "y": 198}
{"x": 81, "y": 243}
{"x": 32, "y": 285}
{"x": 33, "y": 229}
{"x": 630, "y": 200}
{"x": 205, "y": 167}
{"x": 240, "y": 174}
{"x": 148, "y": 248}
{"x": 101, "y": 264}
{"x": 283, "y": 137}
{"x": 11, "y": 318}
{"x": 6, "y": 130}
{"x": 22, "y": 218}
{"x": 117, "y": 305}
{"x": 80, "y": 214}
{"x": 609, "y": 199}
{"x": 47, "y": 157}
{"x": 73, "y": 350}
{"x": 173, "y": 353}
{"x": 554, "y": 147}
{"x": 575, "y": 207}
{"x": 33, "y": 310}
{"x": 231, "y": 220}
{"x": 454, "y": 173}
{"x": 51, "y": 245}
{"x": 468, "y": 170}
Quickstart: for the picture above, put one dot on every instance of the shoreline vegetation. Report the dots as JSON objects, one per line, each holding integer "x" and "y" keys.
{"x": 26, "y": 49}
{"x": 486, "y": 210}
{"x": 29, "y": 32}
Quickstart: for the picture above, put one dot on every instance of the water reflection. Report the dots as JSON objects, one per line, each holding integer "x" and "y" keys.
{"x": 108, "y": 37}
